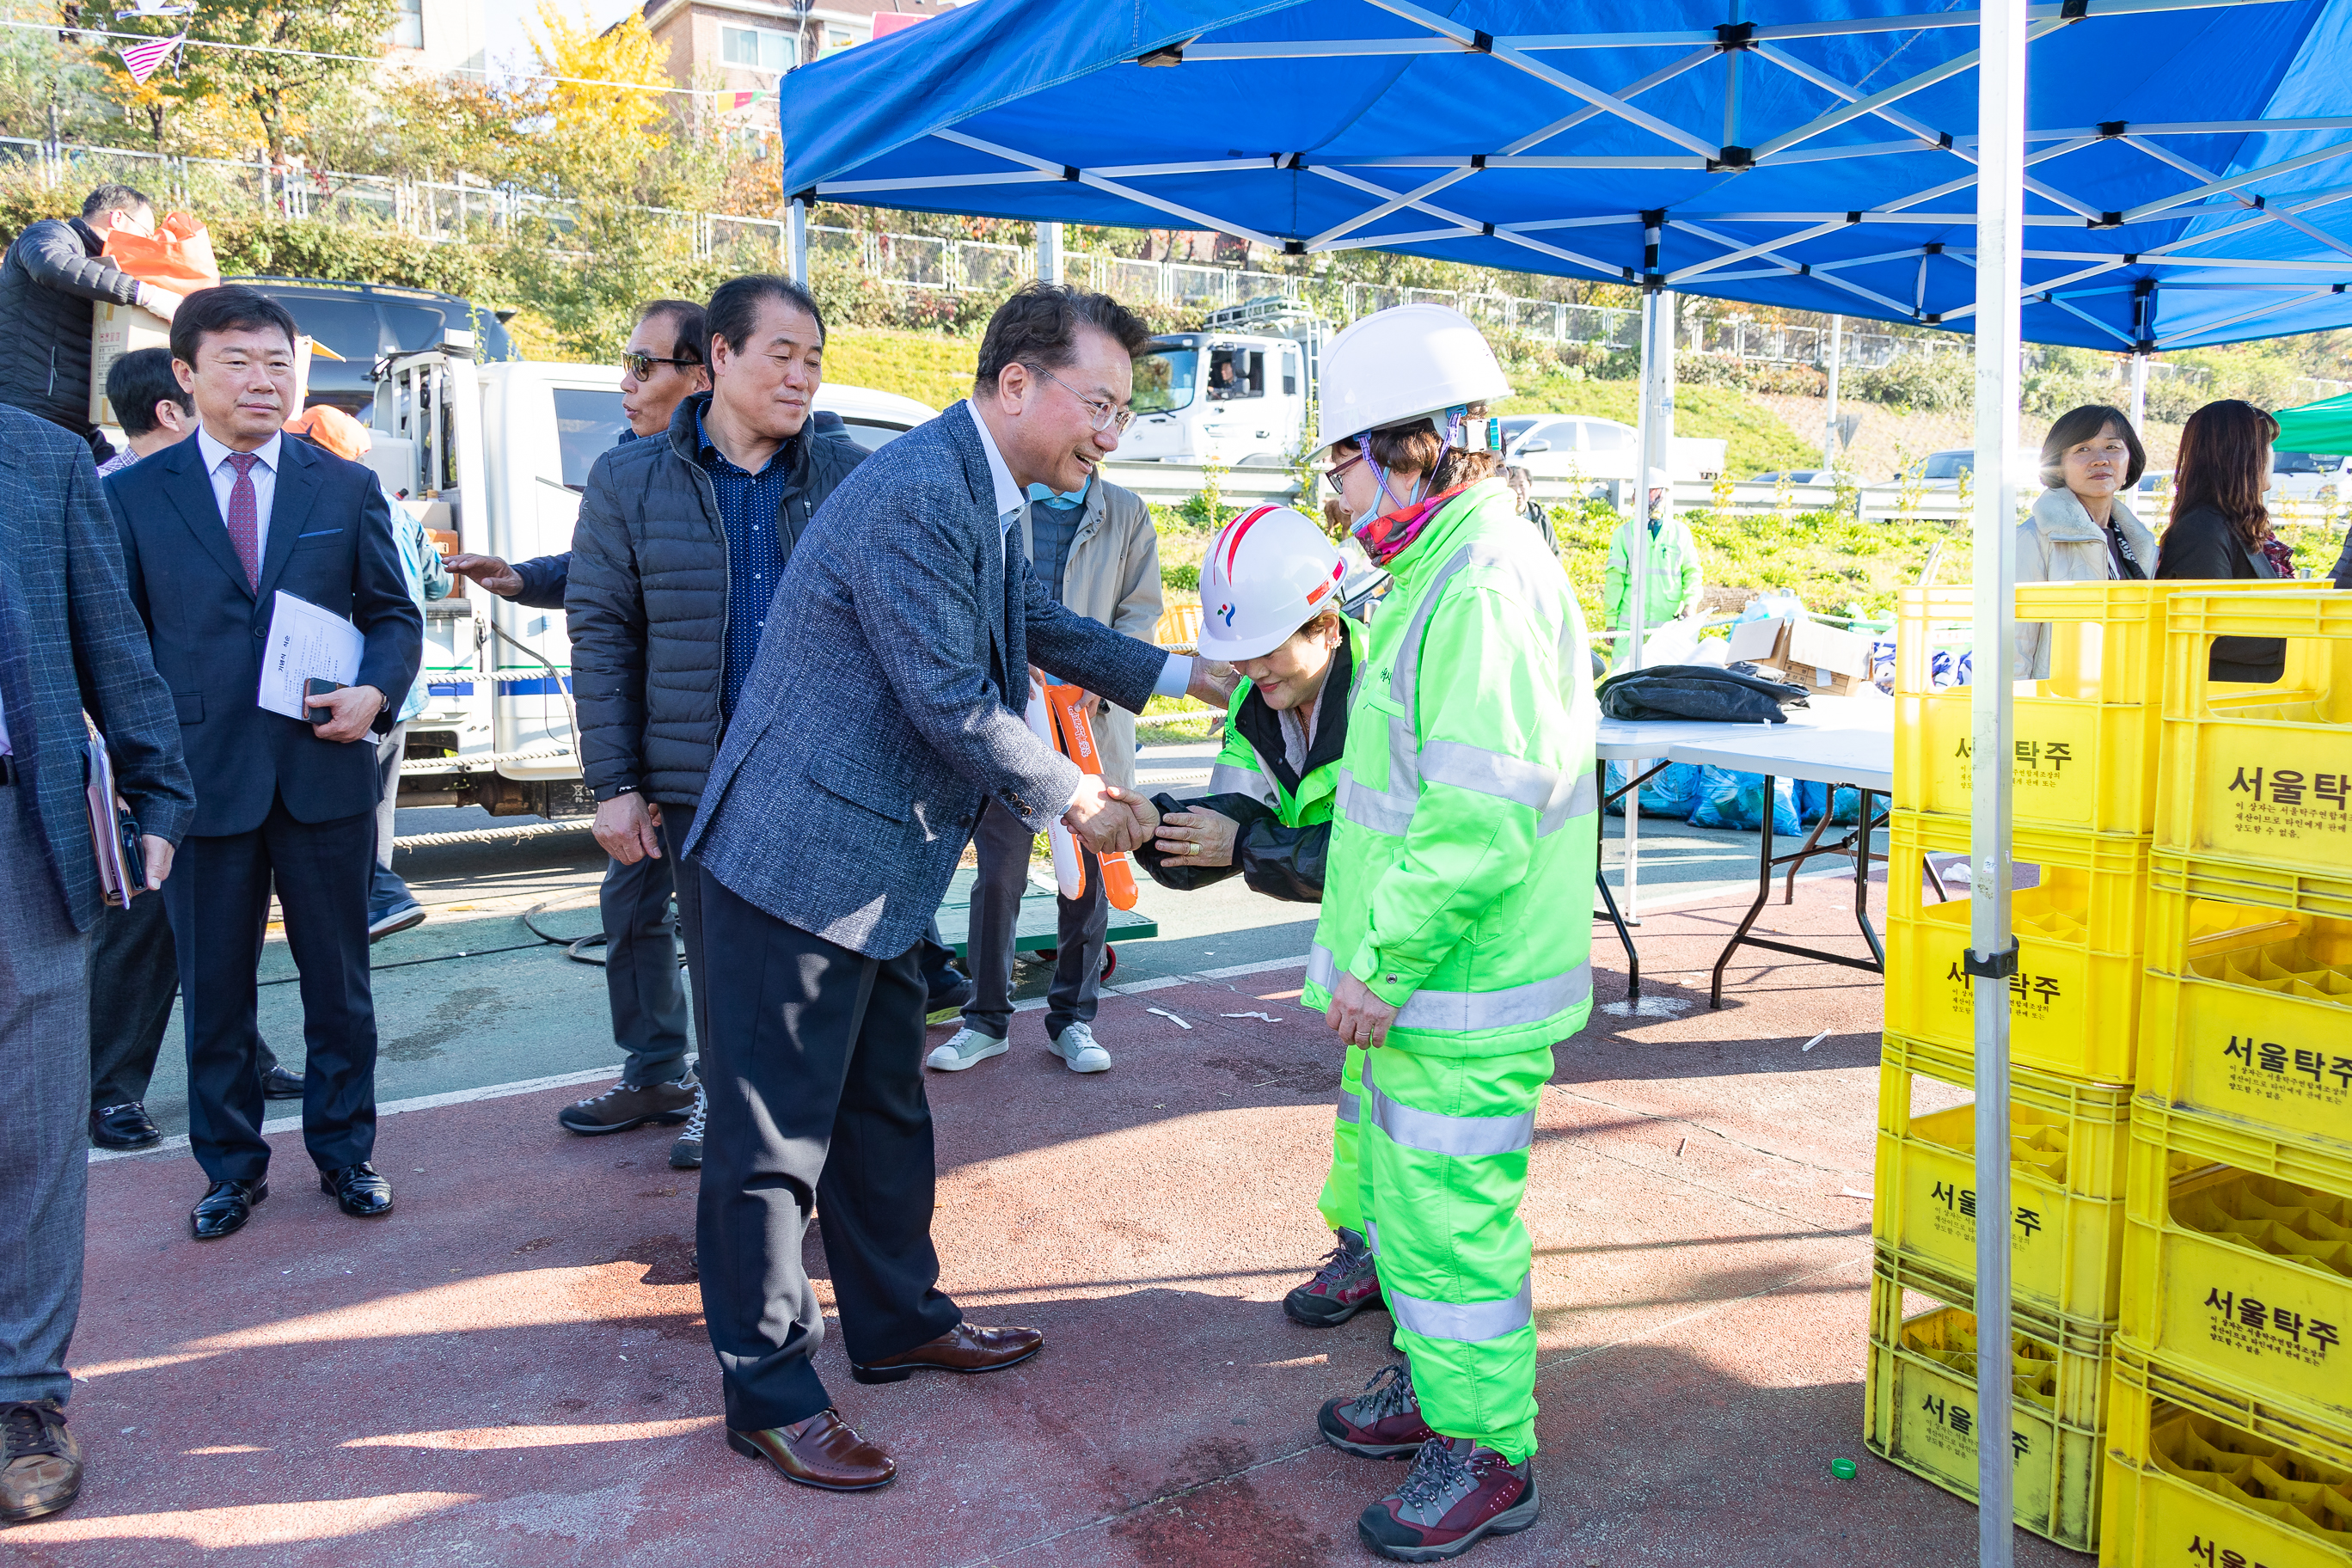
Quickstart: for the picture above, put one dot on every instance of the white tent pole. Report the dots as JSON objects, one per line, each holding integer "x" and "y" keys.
{"x": 796, "y": 242}
{"x": 1992, "y": 955}
{"x": 1655, "y": 421}
{"x": 1837, "y": 347}
{"x": 2138, "y": 390}
{"x": 1049, "y": 253}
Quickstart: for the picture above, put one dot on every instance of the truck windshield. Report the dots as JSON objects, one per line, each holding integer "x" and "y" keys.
{"x": 1164, "y": 378}
{"x": 2302, "y": 463}
{"x": 587, "y": 424}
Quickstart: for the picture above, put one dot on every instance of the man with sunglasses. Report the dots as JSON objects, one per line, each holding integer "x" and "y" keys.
{"x": 661, "y": 366}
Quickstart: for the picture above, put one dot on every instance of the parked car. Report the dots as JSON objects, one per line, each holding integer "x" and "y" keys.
{"x": 1554, "y": 446}
{"x": 2301, "y": 475}
{"x": 365, "y": 322}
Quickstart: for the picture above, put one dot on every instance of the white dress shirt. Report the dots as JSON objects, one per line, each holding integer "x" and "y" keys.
{"x": 1011, "y": 500}
{"x": 265, "y": 483}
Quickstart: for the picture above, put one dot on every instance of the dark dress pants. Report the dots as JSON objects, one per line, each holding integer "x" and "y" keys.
{"x": 813, "y": 1073}
{"x": 686, "y": 883}
{"x": 218, "y": 900}
{"x": 640, "y": 973}
{"x": 1003, "y": 842}
{"x": 133, "y": 976}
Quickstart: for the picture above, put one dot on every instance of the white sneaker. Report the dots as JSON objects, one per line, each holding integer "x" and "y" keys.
{"x": 966, "y": 1048}
{"x": 1077, "y": 1047}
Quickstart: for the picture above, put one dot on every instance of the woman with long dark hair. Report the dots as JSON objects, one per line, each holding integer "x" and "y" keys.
{"x": 2221, "y": 531}
{"x": 2081, "y": 531}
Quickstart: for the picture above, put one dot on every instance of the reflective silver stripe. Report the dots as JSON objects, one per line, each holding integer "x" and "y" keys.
{"x": 1461, "y": 1012}
{"x": 1465, "y": 1322}
{"x": 1366, "y": 807}
{"x": 1224, "y": 778}
{"x": 1350, "y": 1106}
{"x": 1372, "y": 1235}
{"x": 1463, "y": 1137}
{"x": 1469, "y": 1012}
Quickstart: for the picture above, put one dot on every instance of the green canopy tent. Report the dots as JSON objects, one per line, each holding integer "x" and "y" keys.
{"x": 2322, "y": 427}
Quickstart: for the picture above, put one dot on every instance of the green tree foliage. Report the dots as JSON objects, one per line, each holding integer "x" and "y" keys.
{"x": 273, "y": 85}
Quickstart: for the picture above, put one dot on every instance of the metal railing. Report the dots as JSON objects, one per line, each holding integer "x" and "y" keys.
{"x": 448, "y": 210}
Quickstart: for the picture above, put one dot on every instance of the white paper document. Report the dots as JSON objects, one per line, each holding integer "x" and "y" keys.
{"x": 306, "y": 642}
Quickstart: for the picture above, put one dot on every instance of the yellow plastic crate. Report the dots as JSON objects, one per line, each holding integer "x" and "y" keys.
{"x": 1922, "y": 1402}
{"x": 2086, "y": 738}
{"x": 2242, "y": 1277}
{"x": 2073, "y": 1004}
{"x": 2067, "y": 1147}
{"x": 2195, "y": 1477}
{"x": 2259, "y": 777}
{"x": 2246, "y": 1011}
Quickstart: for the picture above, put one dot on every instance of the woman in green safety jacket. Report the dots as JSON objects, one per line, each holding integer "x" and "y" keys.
{"x": 1456, "y": 934}
{"x": 1271, "y": 592}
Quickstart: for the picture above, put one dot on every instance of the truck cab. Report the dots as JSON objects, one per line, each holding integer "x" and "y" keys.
{"x": 1218, "y": 397}
{"x": 496, "y": 457}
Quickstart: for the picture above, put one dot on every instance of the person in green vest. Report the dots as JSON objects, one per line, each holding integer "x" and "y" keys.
{"x": 1456, "y": 935}
{"x": 1677, "y": 582}
{"x": 1271, "y": 591}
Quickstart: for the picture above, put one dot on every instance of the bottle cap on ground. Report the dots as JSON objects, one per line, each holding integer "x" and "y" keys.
{"x": 1842, "y": 1468}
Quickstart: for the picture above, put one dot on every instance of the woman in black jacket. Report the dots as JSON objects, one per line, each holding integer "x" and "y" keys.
{"x": 2219, "y": 529}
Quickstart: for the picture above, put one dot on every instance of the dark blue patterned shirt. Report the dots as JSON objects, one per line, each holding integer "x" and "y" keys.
{"x": 749, "y": 508}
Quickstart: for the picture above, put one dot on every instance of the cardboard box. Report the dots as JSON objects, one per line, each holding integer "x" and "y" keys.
{"x": 1758, "y": 642}
{"x": 1825, "y": 660}
{"x": 115, "y": 330}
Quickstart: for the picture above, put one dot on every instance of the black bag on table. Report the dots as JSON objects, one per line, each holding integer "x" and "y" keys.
{"x": 1736, "y": 695}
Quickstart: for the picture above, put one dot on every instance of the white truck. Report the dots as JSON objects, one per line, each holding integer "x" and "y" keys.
{"x": 495, "y": 456}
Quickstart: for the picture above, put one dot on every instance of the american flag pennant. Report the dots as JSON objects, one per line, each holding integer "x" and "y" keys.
{"x": 141, "y": 59}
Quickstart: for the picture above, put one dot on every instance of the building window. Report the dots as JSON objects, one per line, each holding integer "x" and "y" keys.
{"x": 408, "y": 26}
{"x": 758, "y": 48}
{"x": 837, "y": 39}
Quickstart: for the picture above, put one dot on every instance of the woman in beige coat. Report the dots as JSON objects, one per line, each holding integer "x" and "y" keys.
{"x": 2081, "y": 531}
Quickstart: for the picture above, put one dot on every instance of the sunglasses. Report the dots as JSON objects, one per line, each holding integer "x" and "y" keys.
{"x": 642, "y": 365}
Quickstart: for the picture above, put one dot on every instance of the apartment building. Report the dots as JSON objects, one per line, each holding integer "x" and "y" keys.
{"x": 743, "y": 47}
{"x": 437, "y": 36}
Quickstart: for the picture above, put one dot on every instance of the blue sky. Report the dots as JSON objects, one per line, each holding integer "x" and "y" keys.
{"x": 504, "y": 23}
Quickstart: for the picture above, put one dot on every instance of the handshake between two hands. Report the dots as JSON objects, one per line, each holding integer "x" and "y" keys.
{"x": 1108, "y": 819}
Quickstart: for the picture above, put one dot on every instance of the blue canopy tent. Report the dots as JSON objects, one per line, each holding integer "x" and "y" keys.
{"x": 2159, "y": 174}
{"x": 2187, "y": 161}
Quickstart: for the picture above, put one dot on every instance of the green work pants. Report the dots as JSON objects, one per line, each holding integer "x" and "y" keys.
{"x": 1342, "y": 1202}
{"x": 1442, "y": 1150}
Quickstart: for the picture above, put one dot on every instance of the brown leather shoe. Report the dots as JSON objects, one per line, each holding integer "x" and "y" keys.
{"x": 826, "y": 1454}
{"x": 40, "y": 1463}
{"x": 962, "y": 1349}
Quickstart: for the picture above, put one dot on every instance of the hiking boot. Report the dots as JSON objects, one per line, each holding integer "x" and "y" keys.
{"x": 1458, "y": 1495}
{"x": 40, "y": 1463}
{"x": 1381, "y": 1423}
{"x": 622, "y": 1106}
{"x": 966, "y": 1048}
{"x": 1077, "y": 1047}
{"x": 685, "y": 1154}
{"x": 1344, "y": 1286}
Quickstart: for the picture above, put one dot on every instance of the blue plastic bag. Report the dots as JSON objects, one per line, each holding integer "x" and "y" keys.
{"x": 1672, "y": 794}
{"x": 1737, "y": 800}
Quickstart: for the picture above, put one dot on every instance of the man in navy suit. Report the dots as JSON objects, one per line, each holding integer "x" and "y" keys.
{"x": 213, "y": 530}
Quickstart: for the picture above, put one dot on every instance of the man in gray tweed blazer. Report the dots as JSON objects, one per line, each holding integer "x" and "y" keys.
{"x": 69, "y": 643}
{"x": 884, "y": 707}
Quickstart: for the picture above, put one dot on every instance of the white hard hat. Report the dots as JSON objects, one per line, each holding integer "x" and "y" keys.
{"x": 1269, "y": 573}
{"x": 1403, "y": 363}
{"x": 1659, "y": 481}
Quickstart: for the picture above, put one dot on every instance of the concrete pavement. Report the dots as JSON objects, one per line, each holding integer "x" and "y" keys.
{"x": 510, "y": 1368}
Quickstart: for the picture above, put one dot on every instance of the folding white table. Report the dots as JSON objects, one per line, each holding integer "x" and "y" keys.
{"x": 1851, "y": 751}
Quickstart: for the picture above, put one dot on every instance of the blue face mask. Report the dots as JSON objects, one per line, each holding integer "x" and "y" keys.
{"x": 1053, "y": 497}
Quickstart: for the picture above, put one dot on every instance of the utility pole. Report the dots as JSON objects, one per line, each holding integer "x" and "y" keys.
{"x": 1829, "y": 439}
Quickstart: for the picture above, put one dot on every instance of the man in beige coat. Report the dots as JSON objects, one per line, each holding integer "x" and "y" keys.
{"x": 1096, "y": 552}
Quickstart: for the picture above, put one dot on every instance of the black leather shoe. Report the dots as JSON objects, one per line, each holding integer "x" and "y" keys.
{"x": 124, "y": 1126}
{"x": 225, "y": 1208}
{"x": 280, "y": 1084}
{"x": 362, "y": 1192}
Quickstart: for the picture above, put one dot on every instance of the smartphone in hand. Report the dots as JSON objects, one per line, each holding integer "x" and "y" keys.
{"x": 317, "y": 687}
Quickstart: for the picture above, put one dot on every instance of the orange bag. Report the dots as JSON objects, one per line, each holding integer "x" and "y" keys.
{"x": 178, "y": 255}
